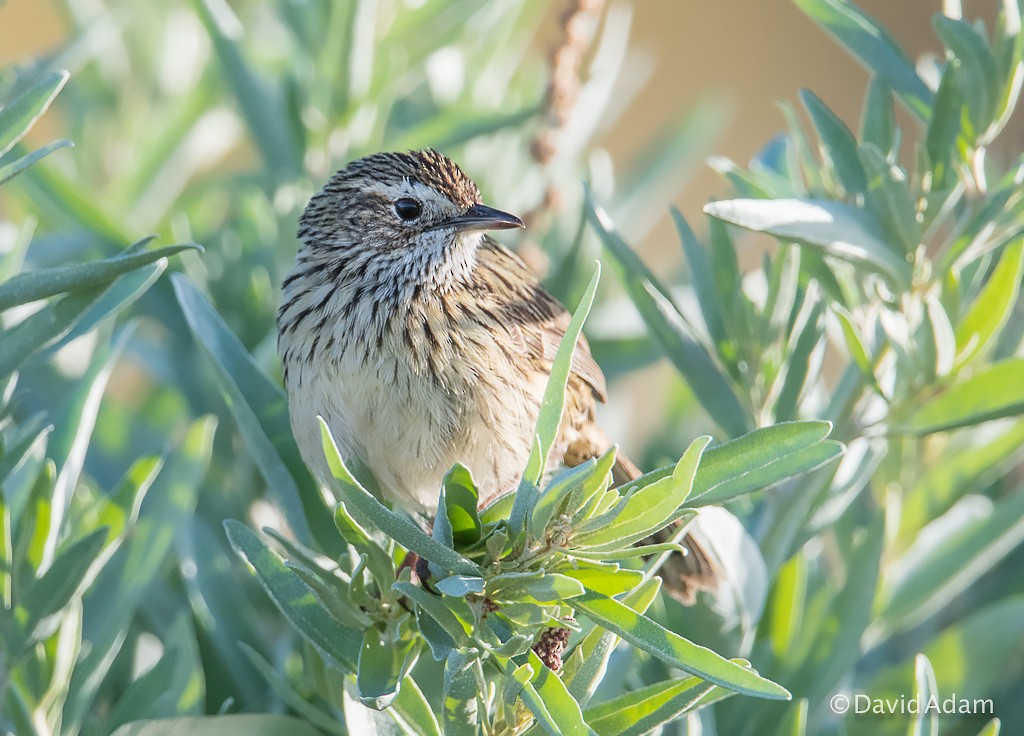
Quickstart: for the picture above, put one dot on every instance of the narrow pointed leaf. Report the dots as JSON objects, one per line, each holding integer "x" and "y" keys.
{"x": 649, "y": 509}
{"x": 836, "y": 229}
{"x": 645, "y": 709}
{"x": 986, "y": 317}
{"x": 559, "y": 703}
{"x": 18, "y": 116}
{"x": 398, "y": 527}
{"x": 994, "y": 392}
{"x": 10, "y": 170}
{"x": 875, "y": 48}
{"x": 677, "y": 337}
{"x": 46, "y": 282}
{"x": 673, "y": 649}
{"x": 838, "y": 142}
{"x": 552, "y": 404}
{"x": 459, "y": 716}
{"x": 338, "y": 643}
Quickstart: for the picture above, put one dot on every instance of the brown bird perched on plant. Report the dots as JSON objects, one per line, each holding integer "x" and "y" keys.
{"x": 422, "y": 342}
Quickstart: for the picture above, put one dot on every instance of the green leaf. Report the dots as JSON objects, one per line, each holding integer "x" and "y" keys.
{"x": 700, "y": 277}
{"x": 119, "y": 510}
{"x": 650, "y": 507}
{"x": 522, "y": 676}
{"x": 263, "y": 107}
{"x": 673, "y": 649}
{"x": 337, "y": 643}
{"x": 979, "y": 78}
{"x": 18, "y": 116}
{"x": 991, "y": 728}
{"x": 586, "y": 666}
{"x": 532, "y": 586}
{"x": 381, "y": 565}
{"x": 557, "y": 491}
{"x": 830, "y": 653}
{"x": 923, "y": 584}
{"x": 855, "y": 343}
{"x": 977, "y": 643}
{"x": 549, "y": 419}
{"x": 222, "y": 725}
{"x": 761, "y": 459}
{"x": 646, "y": 709}
{"x": 562, "y": 707}
{"x": 925, "y": 723}
{"x": 395, "y": 526}
{"x": 174, "y": 686}
{"x": 834, "y": 228}
{"x": 10, "y": 170}
{"x": 279, "y": 681}
{"x": 944, "y": 129}
{"x": 787, "y": 605}
{"x": 875, "y": 48}
{"x": 993, "y": 392}
{"x": 889, "y": 198}
{"x": 459, "y": 586}
{"x": 602, "y": 578}
{"x": 20, "y": 462}
{"x": 261, "y": 413}
{"x": 795, "y": 722}
{"x": 112, "y": 601}
{"x": 878, "y": 123}
{"x": 338, "y": 594}
{"x": 989, "y": 313}
{"x": 117, "y": 297}
{"x": 44, "y": 599}
{"x": 595, "y": 483}
{"x": 459, "y": 502}
{"x": 523, "y": 500}
{"x": 838, "y": 143}
{"x": 802, "y": 345}
{"x": 412, "y": 711}
{"x": 669, "y": 327}
{"x": 382, "y": 665}
{"x": 957, "y": 472}
{"x": 74, "y": 206}
{"x": 41, "y": 328}
{"x": 46, "y": 282}
{"x": 461, "y": 690}
{"x": 72, "y": 438}
{"x": 434, "y": 607}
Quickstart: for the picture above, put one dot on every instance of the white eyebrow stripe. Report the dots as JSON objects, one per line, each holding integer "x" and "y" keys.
{"x": 409, "y": 188}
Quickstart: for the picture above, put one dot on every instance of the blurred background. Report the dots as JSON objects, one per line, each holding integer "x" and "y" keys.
{"x": 742, "y": 54}
{"x": 213, "y": 122}
{"x": 707, "y": 77}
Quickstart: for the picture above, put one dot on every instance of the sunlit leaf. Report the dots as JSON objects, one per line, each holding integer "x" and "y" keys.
{"x": 993, "y": 392}
{"x": 19, "y": 115}
{"x": 836, "y": 229}
{"x": 671, "y": 648}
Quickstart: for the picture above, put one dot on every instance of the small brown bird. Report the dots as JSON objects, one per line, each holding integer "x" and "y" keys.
{"x": 422, "y": 342}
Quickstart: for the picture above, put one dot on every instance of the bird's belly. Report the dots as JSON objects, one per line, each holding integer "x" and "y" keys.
{"x": 410, "y": 426}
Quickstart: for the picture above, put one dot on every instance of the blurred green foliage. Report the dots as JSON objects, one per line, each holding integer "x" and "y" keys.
{"x": 890, "y": 308}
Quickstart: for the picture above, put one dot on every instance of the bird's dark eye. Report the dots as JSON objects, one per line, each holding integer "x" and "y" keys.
{"x": 408, "y": 209}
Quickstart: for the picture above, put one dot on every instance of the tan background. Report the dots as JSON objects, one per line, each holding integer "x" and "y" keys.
{"x": 748, "y": 53}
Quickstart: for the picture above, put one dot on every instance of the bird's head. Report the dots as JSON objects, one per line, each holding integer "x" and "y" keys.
{"x": 403, "y": 216}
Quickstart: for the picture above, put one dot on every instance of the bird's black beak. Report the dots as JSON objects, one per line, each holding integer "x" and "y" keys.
{"x": 482, "y": 217}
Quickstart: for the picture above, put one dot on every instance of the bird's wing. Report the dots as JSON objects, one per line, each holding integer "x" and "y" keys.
{"x": 535, "y": 319}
